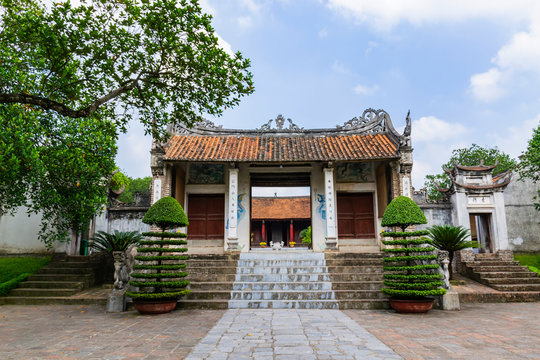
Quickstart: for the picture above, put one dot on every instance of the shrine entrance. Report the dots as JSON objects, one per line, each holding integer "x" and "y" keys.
{"x": 280, "y": 209}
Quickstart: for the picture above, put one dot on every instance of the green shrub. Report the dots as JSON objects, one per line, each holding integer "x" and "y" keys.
{"x": 139, "y": 185}
{"x": 403, "y": 212}
{"x": 166, "y": 213}
{"x": 305, "y": 235}
{"x": 410, "y": 268}
{"x": 450, "y": 238}
{"x": 118, "y": 181}
{"x": 13, "y": 270}
{"x": 117, "y": 241}
{"x": 160, "y": 272}
{"x": 528, "y": 259}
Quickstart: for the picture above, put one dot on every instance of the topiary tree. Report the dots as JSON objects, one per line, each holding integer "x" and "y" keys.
{"x": 410, "y": 271}
{"x": 159, "y": 274}
{"x": 450, "y": 238}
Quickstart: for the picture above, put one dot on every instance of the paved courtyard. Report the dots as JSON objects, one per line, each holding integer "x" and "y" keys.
{"x": 479, "y": 331}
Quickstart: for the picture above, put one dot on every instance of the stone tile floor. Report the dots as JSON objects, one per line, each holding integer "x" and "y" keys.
{"x": 478, "y": 331}
{"x": 287, "y": 334}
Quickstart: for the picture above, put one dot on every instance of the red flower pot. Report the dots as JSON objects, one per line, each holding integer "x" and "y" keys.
{"x": 155, "y": 307}
{"x": 411, "y": 306}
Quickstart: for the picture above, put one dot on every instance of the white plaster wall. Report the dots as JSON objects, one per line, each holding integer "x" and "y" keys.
{"x": 318, "y": 225}
{"x": 19, "y": 234}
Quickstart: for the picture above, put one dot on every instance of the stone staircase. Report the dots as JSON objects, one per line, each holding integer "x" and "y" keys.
{"x": 57, "y": 282}
{"x": 286, "y": 279}
{"x": 357, "y": 280}
{"x": 514, "y": 282}
{"x": 211, "y": 281}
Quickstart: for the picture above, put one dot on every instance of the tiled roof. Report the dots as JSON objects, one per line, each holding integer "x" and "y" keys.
{"x": 280, "y": 148}
{"x": 280, "y": 208}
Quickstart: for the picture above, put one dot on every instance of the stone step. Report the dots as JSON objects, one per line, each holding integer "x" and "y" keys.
{"x": 282, "y": 295}
{"x": 364, "y": 304}
{"x": 202, "y": 304}
{"x": 56, "y": 300}
{"x": 282, "y": 277}
{"x": 213, "y": 270}
{"x": 343, "y": 255}
{"x": 359, "y": 294}
{"x": 214, "y": 257}
{"x": 87, "y": 279}
{"x": 65, "y": 270}
{"x": 344, "y": 277}
{"x": 282, "y": 286}
{"x": 507, "y": 274}
{"x": 278, "y": 263}
{"x": 357, "y": 285}
{"x": 491, "y": 262}
{"x": 214, "y": 263}
{"x": 498, "y": 268}
{"x": 283, "y": 304}
{"x": 70, "y": 264}
{"x": 197, "y": 277}
{"x": 507, "y": 281}
{"x": 355, "y": 269}
{"x": 498, "y": 297}
{"x": 259, "y": 270}
{"x": 208, "y": 285}
{"x": 29, "y": 292}
{"x": 79, "y": 285}
{"x": 354, "y": 262}
{"x": 516, "y": 287}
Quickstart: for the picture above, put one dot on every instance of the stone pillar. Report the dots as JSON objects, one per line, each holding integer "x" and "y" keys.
{"x": 232, "y": 235}
{"x": 394, "y": 166}
{"x": 500, "y": 240}
{"x": 331, "y": 221}
{"x": 158, "y": 172}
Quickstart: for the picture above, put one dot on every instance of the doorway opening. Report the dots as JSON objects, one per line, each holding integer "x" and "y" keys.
{"x": 280, "y": 209}
{"x": 481, "y": 231}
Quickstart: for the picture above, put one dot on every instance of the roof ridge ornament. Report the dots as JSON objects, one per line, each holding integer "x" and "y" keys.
{"x": 371, "y": 121}
{"x": 280, "y": 122}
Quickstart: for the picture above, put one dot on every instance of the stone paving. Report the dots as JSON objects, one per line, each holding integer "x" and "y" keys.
{"x": 478, "y": 331}
{"x": 286, "y": 334}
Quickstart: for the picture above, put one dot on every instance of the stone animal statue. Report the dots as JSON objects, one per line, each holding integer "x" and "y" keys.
{"x": 276, "y": 245}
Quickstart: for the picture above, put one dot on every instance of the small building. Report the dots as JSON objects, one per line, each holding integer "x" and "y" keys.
{"x": 351, "y": 172}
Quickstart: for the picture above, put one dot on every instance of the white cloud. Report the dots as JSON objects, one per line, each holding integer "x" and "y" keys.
{"x": 433, "y": 129}
{"x": 323, "y": 33}
{"x": 522, "y": 52}
{"x": 252, "y": 5}
{"x": 134, "y": 151}
{"x": 245, "y": 21}
{"x": 488, "y": 86}
{"x": 515, "y": 138}
{"x": 340, "y": 68}
{"x": 224, "y": 45}
{"x": 365, "y": 90}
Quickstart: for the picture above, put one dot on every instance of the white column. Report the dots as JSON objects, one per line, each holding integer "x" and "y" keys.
{"x": 233, "y": 206}
{"x": 329, "y": 192}
{"x": 501, "y": 238}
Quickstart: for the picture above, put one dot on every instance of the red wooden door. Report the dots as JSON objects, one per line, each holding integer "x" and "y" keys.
{"x": 355, "y": 215}
{"x": 206, "y": 214}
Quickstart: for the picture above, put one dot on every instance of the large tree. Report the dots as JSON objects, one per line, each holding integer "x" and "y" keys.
{"x": 470, "y": 156}
{"x": 529, "y": 166}
{"x": 72, "y": 76}
{"x": 159, "y": 60}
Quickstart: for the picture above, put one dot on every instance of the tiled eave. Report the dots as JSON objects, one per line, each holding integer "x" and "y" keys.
{"x": 228, "y": 148}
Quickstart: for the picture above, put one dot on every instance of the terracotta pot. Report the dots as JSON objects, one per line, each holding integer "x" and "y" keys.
{"x": 155, "y": 307}
{"x": 409, "y": 306}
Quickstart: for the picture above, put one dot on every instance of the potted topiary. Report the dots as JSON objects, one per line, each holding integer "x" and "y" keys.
{"x": 160, "y": 273}
{"x": 411, "y": 272}
{"x": 305, "y": 235}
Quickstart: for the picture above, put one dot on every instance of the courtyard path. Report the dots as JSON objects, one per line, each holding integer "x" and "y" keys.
{"x": 266, "y": 334}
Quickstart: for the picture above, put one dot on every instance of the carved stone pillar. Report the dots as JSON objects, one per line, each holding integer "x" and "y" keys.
{"x": 232, "y": 214}
{"x": 331, "y": 221}
{"x": 158, "y": 171}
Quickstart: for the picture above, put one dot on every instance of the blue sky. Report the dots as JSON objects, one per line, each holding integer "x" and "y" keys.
{"x": 469, "y": 71}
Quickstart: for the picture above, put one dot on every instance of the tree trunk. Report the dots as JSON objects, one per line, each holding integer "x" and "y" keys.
{"x": 73, "y": 245}
{"x": 451, "y": 259}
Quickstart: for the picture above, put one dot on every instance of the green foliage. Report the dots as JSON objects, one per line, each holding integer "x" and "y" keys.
{"x": 158, "y": 61}
{"x": 138, "y": 185}
{"x": 55, "y": 166}
{"x": 471, "y": 156}
{"x": 160, "y": 283}
{"x": 159, "y": 249}
{"x": 149, "y": 296}
{"x": 412, "y": 273}
{"x": 450, "y": 238}
{"x": 13, "y": 270}
{"x": 528, "y": 259}
{"x": 160, "y": 267}
{"x": 164, "y": 242}
{"x": 160, "y": 275}
{"x": 160, "y": 257}
{"x": 118, "y": 181}
{"x": 117, "y": 241}
{"x": 167, "y": 234}
{"x": 305, "y": 235}
{"x": 403, "y": 212}
{"x": 534, "y": 269}
{"x": 165, "y": 213}
{"x": 529, "y": 166}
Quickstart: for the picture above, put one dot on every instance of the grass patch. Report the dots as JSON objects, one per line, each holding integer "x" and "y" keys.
{"x": 532, "y": 260}
{"x": 13, "y": 270}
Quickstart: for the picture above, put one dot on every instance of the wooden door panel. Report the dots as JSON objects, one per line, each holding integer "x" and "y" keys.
{"x": 206, "y": 214}
{"x": 355, "y": 215}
